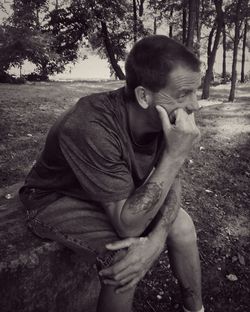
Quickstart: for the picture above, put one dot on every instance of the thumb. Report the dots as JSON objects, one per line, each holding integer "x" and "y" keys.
{"x": 164, "y": 117}
{"x": 125, "y": 243}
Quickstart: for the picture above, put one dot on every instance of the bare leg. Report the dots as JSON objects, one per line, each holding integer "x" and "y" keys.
{"x": 110, "y": 301}
{"x": 184, "y": 260}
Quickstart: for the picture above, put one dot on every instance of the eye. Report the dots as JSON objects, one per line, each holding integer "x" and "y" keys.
{"x": 185, "y": 93}
{"x": 182, "y": 94}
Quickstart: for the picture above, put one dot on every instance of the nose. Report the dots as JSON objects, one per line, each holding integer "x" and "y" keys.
{"x": 193, "y": 104}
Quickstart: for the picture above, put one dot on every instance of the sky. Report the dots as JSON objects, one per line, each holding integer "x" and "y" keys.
{"x": 90, "y": 69}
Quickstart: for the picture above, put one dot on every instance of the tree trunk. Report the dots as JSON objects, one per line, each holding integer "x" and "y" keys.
{"x": 141, "y": 9}
{"x": 20, "y": 70}
{"x": 242, "y": 79}
{"x": 184, "y": 23}
{"x": 198, "y": 29}
{"x": 135, "y": 20}
{"x": 110, "y": 52}
{"x": 235, "y": 52}
{"x": 37, "y": 18}
{"x": 155, "y": 26}
{"x": 171, "y": 24}
{"x": 191, "y": 23}
{"x": 211, "y": 58}
{"x": 210, "y": 42}
{"x": 224, "y": 60}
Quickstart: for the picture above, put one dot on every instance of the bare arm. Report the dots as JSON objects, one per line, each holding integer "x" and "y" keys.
{"x": 168, "y": 212}
{"x": 130, "y": 217}
{"x": 129, "y": 270}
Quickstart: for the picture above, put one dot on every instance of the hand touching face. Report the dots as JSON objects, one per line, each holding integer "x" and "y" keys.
{"x": 180, "y": 91}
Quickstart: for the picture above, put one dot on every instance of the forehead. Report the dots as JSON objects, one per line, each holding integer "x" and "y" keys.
{"x": 183, "y": 77}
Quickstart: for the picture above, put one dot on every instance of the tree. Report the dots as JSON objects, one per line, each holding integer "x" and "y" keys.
{"x": 166, "y": 13}
{"x": 240, "y": 12}
{"x": 192, "y": 18}
{"x": 242, "y": 79}
{"x": 211, "y": 57}
{"x": 224, "y": 46}
{"x": 105, "y": 25}
{"x": 184, "y": 22}
{"x": 23, "y": 38}
{"x": 135, "y": 20}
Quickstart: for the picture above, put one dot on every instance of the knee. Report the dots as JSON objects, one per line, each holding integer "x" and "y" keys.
{"x": 182, "y": 230}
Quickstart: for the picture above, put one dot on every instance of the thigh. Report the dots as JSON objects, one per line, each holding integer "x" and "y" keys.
{"x": 81, "y": 226}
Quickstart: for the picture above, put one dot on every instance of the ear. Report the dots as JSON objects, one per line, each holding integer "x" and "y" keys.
{"x": 143, "y": 96}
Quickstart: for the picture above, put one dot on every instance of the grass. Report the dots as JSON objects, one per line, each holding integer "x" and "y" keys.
{"x": 215, "y": 185}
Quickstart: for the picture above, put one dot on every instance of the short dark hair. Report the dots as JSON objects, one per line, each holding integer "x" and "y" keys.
{"x": 152, "y": 59}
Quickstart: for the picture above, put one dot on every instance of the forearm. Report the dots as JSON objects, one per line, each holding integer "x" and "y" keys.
{"x": 168, "y": 213}
{"x": 144, "y": 204}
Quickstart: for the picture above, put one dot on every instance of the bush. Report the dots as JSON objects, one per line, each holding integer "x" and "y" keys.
{"x": 7, "y": 78}
{"x": 19, "y": 80}
{"x": 36, "y": 77}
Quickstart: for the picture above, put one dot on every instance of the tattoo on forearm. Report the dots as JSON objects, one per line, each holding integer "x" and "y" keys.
{"x": 170, "y": 208}
{"x": 146, "y": 197}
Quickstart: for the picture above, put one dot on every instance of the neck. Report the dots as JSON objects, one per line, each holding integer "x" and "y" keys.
{"x": 143, "y": 123}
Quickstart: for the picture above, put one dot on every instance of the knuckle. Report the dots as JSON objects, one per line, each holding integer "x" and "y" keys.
{"x": 116, "y": 277}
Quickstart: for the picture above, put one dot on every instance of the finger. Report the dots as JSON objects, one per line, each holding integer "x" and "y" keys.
{"x": 192, "y": 119}
{"x": 122, "y": 282}
{"x": 164, "y": 117}
{"x": 180, "y": 115}
{"x": 130, "y": 270}
{"x": 117, "y": 267}
{"x": 121, "y": 244}
{"x": 128, "y": 286}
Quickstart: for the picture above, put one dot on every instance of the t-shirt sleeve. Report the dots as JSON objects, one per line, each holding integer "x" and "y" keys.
{"x": 93, "y": 152}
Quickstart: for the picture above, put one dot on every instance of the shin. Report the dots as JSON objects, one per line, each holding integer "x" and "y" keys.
{"x": 184, "y": 260}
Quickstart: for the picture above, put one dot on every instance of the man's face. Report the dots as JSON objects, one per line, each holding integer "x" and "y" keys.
{"x": 180, "y": 91}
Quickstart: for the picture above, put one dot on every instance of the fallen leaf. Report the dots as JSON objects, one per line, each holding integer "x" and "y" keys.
{"x": 241, "y": 259}
{"x": 232, "y": 277}
{"x": 234, "y": 258}
{"x": 9, "y": 196}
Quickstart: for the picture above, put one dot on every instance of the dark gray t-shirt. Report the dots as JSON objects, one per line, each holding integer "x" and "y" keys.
{"x": 90, "y": 154}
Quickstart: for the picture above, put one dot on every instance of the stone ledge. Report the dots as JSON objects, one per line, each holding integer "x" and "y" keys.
{"x": 38, "y": 275}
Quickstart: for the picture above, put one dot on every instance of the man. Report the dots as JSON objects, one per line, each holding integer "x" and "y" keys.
{"x": 109, "y": 170}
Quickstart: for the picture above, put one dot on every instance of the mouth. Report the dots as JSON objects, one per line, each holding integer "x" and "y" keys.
{"x": 172, "y": 117}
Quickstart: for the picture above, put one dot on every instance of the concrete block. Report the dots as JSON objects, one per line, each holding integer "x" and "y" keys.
{"x": 38, "y": 275}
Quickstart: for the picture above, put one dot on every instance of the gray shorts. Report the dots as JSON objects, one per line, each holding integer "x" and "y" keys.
{"x": 81, "y": 226}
